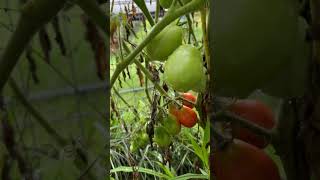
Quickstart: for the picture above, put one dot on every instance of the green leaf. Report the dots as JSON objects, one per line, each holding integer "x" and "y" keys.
{"x": 197, "y": 149}
{"x": 165, "y": 169}
{"x": 190, "y": 176}
{"x": 206, "y": 136}
{"x": 140, "y": 170}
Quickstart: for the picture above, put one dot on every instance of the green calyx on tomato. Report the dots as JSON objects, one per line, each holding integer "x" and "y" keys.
{"x": 256, "y": 112}
{"x": 168, "y": 40}
{"x": 252, "y": 43}
{"x": 240, "y": 160}
{"x": 184, "y": 70}
{"x": 162, "y": 137}
{"x": 171, "y": 124}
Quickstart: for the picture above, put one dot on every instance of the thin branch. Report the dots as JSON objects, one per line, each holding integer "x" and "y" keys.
{"x": 33, "y": 16}
{"x": 228, "y": 116}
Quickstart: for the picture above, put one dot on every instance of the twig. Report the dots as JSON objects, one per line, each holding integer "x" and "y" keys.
{"x": 228, "y": 116}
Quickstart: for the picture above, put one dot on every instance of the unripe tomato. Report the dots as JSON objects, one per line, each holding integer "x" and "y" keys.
{"x": 165, "y": 3}
{"x": 172, "y": 124}
{"x": 134, "y": 146}
{"x": 184, "y": 69}
{"x": 168, "y": 40}
{"x": 242, "y": 161}
{"x": 189, "y": 97}
{"x": 253, "y": 41}
{"x": 255, "y": 112}
{"x": 161, "y": 137}
{"x": 140, "y": 140}
{"x": 292, "y": 80}
{"x": 186, "y": 116}
{"x": 144, "y": 139}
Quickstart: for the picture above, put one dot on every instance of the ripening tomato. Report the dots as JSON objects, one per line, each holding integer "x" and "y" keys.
{"x": 184, "y": 70}
{"x": 243, "y": 161}
{"x": 168, "y": 40}
{"x": 161, "y": 137}
{"x": 255, "y": 112}
{"x": 171, "y": 124}
{"x": 190, "y": 97}
{"x": 186, "y": 116}
{"x": 253, "y": 41}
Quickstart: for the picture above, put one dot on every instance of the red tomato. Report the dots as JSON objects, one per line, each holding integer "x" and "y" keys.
{"x": 243, "y": 161}
{"x": 256, "y": 112}
{"x": 190, "y": 97}
{"x": 186, "y": 116}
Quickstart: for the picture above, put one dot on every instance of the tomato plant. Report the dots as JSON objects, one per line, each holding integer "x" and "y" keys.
{"x": 255, "y": 112}
{"x": 190, "y": 97}
{"x": 168, "y": 40}
{"x": 242, "y": 161}
{"x": 186, "y": 116}
{"x": 184, "y": 69}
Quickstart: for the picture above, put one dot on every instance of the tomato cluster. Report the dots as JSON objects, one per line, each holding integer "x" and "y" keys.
{"x": 255, "y": 112}
{"x": 170, "y": 125}
{"x": 244, "y": 155}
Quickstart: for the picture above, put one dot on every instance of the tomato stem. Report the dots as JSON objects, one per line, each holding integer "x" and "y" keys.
{"x": 231, "y": 117}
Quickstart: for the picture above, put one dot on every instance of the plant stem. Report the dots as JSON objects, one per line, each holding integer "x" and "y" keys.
{"x": 157, "y": 11}
{"x": 34, "y": 15}
{"x": 168, "y": 18}
{"x": 205, "y": 36}
{"x": 227, "y": 116}
{"x": 150, "y": 77}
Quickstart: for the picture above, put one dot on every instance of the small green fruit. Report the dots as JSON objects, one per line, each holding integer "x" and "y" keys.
{"x": 184, "y": 70}
{"x": 172, "y": 125}
{"x": 168, "y": 40}
{"x": 161, "y": 137}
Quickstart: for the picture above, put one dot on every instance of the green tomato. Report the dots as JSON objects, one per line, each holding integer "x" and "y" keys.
{"x": 172, "y": 125}
{"x": 166, "y": 3}
{"x": 168, "y": 40}
{"x": 184, "y": 70}
{"x": 134, "y": 146}
{"x": 252, "y": 42}
{"x": 144, "y": 139}
{"x": 291, "y": 82}
{"x": 161, "y": 137}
